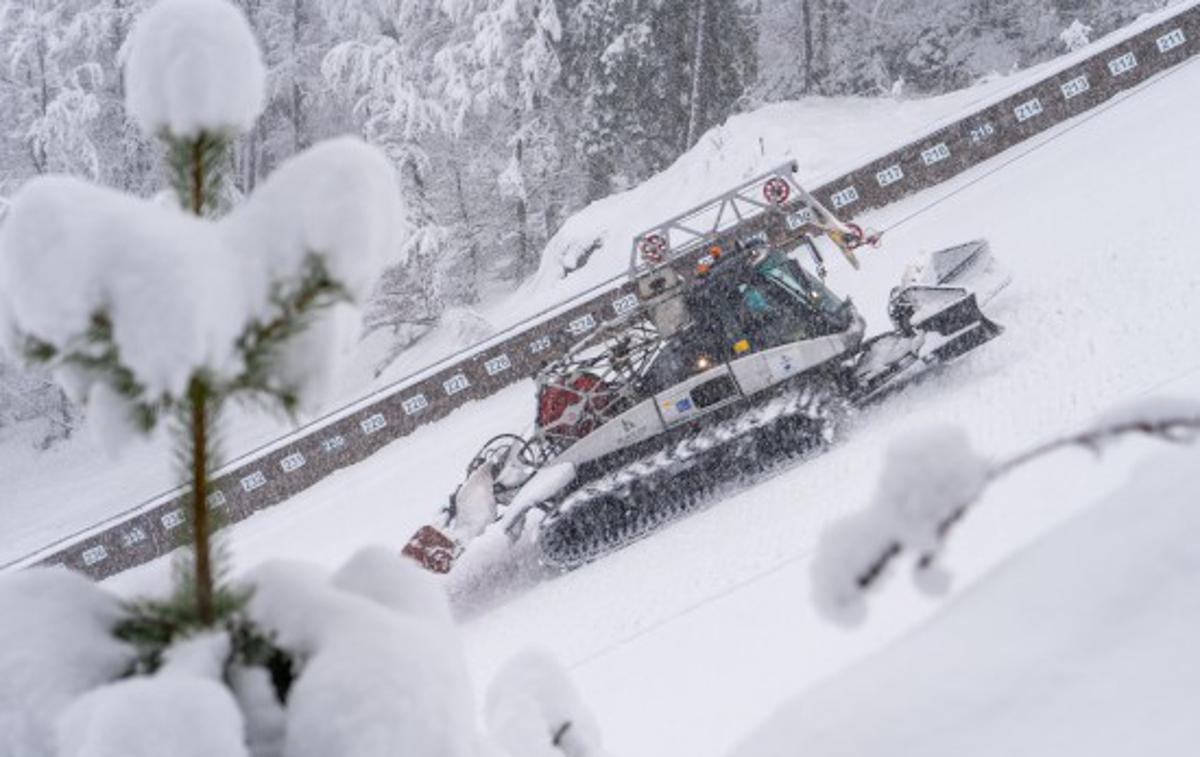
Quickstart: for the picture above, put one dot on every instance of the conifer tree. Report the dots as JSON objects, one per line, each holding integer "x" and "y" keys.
{"x": 240, "y": 324}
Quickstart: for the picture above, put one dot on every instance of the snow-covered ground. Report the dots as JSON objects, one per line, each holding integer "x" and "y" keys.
{"x": 685, "y": 642}
{"x": 1083, "y": 643}
{"x": 826, "y": 136}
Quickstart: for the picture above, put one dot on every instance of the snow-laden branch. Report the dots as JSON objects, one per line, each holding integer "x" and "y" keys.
{"x": 931, "y": 481}
{"x": 194, "y": 67}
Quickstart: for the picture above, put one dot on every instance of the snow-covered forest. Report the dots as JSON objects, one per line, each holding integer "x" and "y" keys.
{"x": 503, "y": 117}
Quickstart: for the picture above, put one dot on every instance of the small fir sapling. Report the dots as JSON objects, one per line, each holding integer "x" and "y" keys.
{"x": 146, "y": 313}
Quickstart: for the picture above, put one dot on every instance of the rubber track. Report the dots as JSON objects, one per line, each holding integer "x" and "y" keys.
{"x": 641, "y": 497}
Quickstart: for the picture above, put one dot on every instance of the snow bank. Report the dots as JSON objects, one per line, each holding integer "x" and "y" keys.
{"x": 194, "y": 66}
{"x": 928, "y": 477}
{"x": 1083, "y": 644}
{"x": 54, "y": 645}
{"x": 183, "y": 710}
{"x": 374, "y": 681}
{"x": 533, "y": 710}
{"x": 384, "y": 575}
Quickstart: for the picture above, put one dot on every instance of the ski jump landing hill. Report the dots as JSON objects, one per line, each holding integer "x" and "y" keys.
{"x": 280, "y": 470}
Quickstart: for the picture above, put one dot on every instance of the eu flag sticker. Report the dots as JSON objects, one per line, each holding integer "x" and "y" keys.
{"x": 683, "y": 405}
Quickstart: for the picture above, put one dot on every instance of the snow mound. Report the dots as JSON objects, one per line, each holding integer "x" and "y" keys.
{"x": 55, "y": 644}
{"x": 167, "y": 713}
{"x": 194, "y": 66}
{"x": 927, "y": 478}
{"x": 1083, "y": 643}
{"x": 384, "y": 575}
{"x": 533, "y": 710}
{"x": 397, "y": 682}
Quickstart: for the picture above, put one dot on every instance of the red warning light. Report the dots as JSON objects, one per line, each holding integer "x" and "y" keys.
{"x": 777, "y": 190}
{"x": 653, "y": 248}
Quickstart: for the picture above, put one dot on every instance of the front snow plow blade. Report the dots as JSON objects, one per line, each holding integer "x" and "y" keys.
{"x": 933, "y": 326}
{"x": 432, "y": 549}
{"x": 967, "y": 266}
{"x": 963, "y": 327}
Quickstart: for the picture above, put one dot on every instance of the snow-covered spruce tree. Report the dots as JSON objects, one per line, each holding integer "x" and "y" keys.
{"x": 146, "y": 313}
{"x": 385, "y": 71}
{"x": 650, "y": 78}
{"x": 48, "y": 96}
{"x": 929, "y": 484}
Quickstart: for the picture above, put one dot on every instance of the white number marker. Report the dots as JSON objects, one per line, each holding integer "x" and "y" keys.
{"x": 983, "y": 131}
{"x": 498, "y": 364}
{"x": 334, "y": 443}
{"x": 935, "y": 154}
{"x": 801, "y": 217}
{"x": 890, "y": 175}
{"x": 373, "y": 424}
{"x": 623, "y": 305}
{"x": 541, "y": 344}
{"x": 414, "y": 404}
{"x": 1171, "y": 40}
{"x": 581, "y": 325}
{"x": 1076, "y": 87}
{"x": 95, "y": 554}
{"x": 455, "y": 384}
{"x": 847, "y": 196}
{"x": 1123, "y": 64}
{"x": 1028, "y": 110}
{"x": 253, "y": 481}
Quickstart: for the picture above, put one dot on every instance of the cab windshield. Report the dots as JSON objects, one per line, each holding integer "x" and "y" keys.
{"x": 761, "y": 305}
{"x": 787, "y": 274}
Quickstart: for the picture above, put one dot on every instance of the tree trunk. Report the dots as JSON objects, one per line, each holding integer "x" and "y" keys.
{"x": 198, "y": 399}
{"x": 806, "y": 20}
{"x": 471, "y": 292}
{"x": 299, "y": 138}
{"x": 38, "y": 153}
{"x": 697, "y": 101}
{"x": 821, "y": 49}
{"x": 523, "y": 252}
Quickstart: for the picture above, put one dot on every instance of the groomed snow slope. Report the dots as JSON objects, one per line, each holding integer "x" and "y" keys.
{"x": 686, "y": 641}
{"x": 1081, "y": 644}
